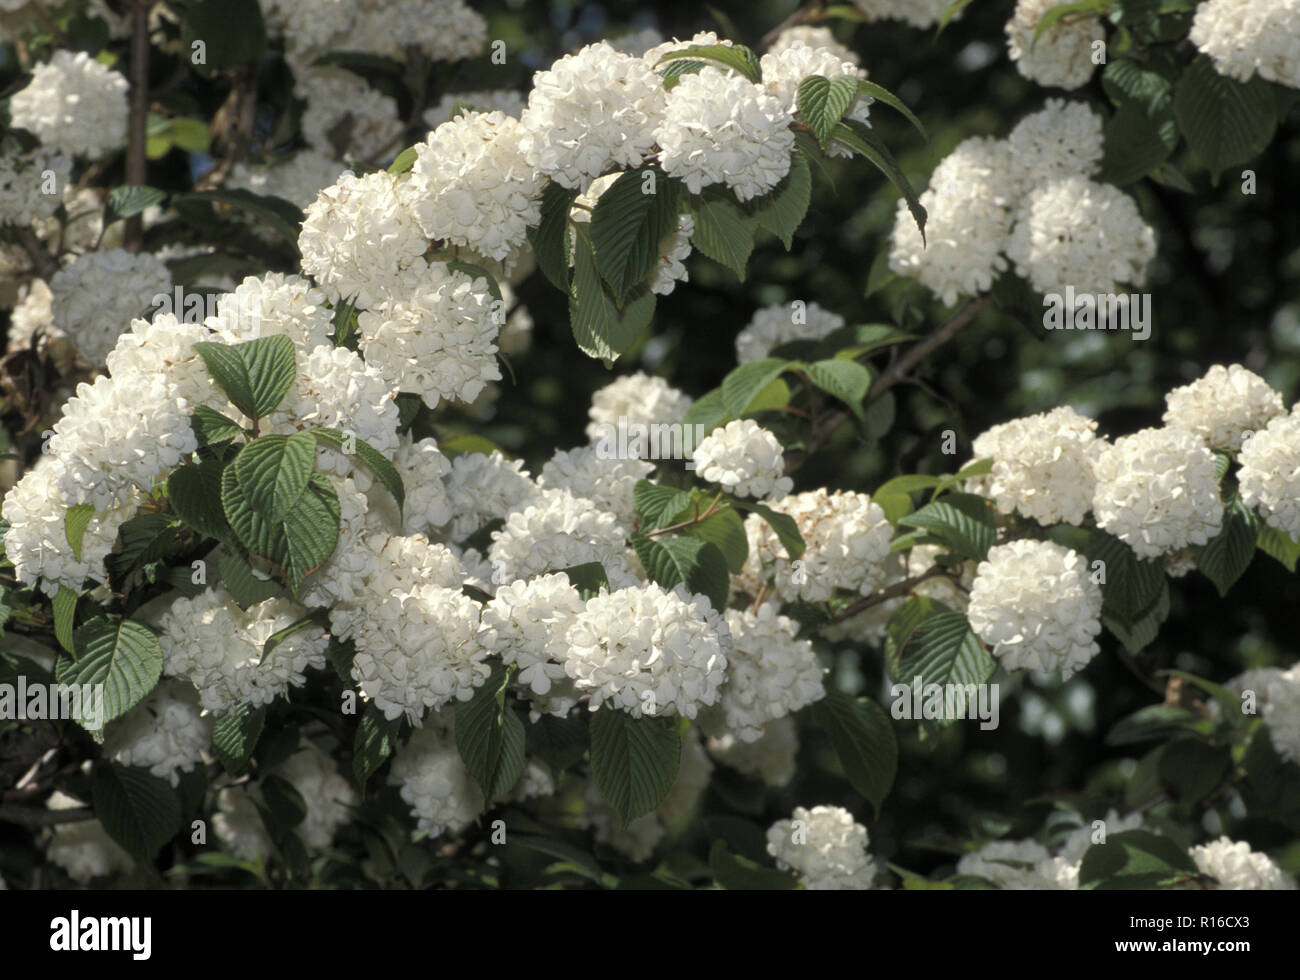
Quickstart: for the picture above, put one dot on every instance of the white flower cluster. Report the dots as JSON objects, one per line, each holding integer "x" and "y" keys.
{"x": 96, "y": 294}
{"x": 166, "y": 733}
{"x": 471, "y": 186}
{"x": 1248, "y": 37}
{"x": 32, "y": 318}
{"x": 589, "y": 111}
{"x": 1015, "y": 865}
{"x": 274, "y": 305}
{"x": 73, "y": 105}
{"x": 218, "y": 647}
{"x": 771, "y": 674}
{"x": 744, "y": 459}
{"x": 1157, "y": 491}
{"x": 83, "y": 849}
{"x": 781, "y": 323}
{"x": 557, "y": 530}
{"x": 297, "y": 179}
{"x": 1036, "y": 605}
{"x": 238, "y": 824}
{"x": 818, "y": 38}
{"x": 847, "y": 538}
{"x": 917, "y": 13}
{"x": 23, "y": 181}
{"x": 1277, "y": 696}
{"x": 1042, "y": 465}
{"x": 640, "y": 398}
{"x": 825, "y": 847}
{"x": 422, "y": 467}
{"x": 483, "y": 100}
{"x": 719, "y": 127}
{"x": 433, "y": 781}
{"x": 1237, "y": 867}
{"x": 1062, "y": 55}
{"x": 770, "y": 758}
{"x": 482, "y": 487}
{"x": 608, "y": 483}
{"x": 445, "y": 30}
{"x": 527, "y": 624}
{"x": 649, "y": 651}
{"x": 342, "y": 106}
{"x": 785, "y": 67}
{"x": 1223, "y": 405}
{"x": 1063, "y": 139}
{"x": 329, "y": 797}
{"x": 1269, "y": 477}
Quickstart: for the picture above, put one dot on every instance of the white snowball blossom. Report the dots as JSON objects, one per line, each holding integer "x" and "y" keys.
{"x": 83, "y": 849}
{"x": 606, "y": 482}
{"x": 1063, "y": 139}
{"x": 328, "y": 795}
{"x": 649, "y": 651}
{"x": 297, "y": 179}
{"x": 640, "y": 399}
{"x": 482, "y": 487}
{"x": 825, "y": 847}
{"x": 1016, "y": 865}
{"x": 166, "y": 733}
{"x": 1035, "y": 604}
{"x": 557, "y": 531}
{"x": 719, "y": 127}
{"x": 785, "y": 67}
{"x": 781, "y": 323}
{"x": 73, "y": 105}
{"x": 527, "y": 624}
{"x": 1223, "y": 405}
{"x": 239, "y": 825}
{"x": 1248, "y": 37}
{"x": 433, "y": 781}
{"x": 770, "y": 758}
{"x": 1062, "y": 55}
{"x": 1157, "y": 491}
{"x": 744, "y": 459}
{"x": 1269, "y": 477}
{"x": 97, "y": 294}
{"x": 1042, "y": 465}
{"x": 31, "y": 186}
{"x": 1237, "y": 867}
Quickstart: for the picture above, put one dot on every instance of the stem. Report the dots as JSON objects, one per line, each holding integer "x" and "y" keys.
{"x": 913, "y": 357}
{"x": 137, "y": 127}
{"x": 26, "y": 816}
{"x": 893, "y": 592}
{"x": 697, "y": 519}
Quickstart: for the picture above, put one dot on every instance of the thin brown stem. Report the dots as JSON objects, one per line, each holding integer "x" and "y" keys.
{"x": 138, "y": 124}
{"x": 27, "y": 816}
{"x": 893, "y": 592}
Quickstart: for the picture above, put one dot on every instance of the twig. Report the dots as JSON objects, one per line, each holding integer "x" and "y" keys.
{"x": 26, "y": 816}
{"x": 917, "y": 354}
{"x": 138, "y": 124}
{"x": 893, "y": 592}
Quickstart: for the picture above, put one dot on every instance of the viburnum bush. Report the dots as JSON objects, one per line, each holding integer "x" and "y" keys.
{"x": 265, "y": 263}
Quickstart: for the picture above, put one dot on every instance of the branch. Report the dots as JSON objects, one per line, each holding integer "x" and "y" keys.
{"x": 29, "y": 816}
{"x": 893, "y": 592}
{"x": 917, "y": 354}
{"x": 137, "y": 126}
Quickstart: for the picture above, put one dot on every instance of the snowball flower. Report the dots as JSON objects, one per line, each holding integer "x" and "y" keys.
{"x": 606, "y": 482}
{"x": 640, "y": 399}
{"x": 83, "y": 849}
{"x": 31, "y": 186}
{"x": 1269, "y": 477}
{"x": 482, "y": 487}
{"x": 1223, "y": 405}
{"x": 73, "y": 105}
{"x": 770, "y": 758}
{"x": 1035, "y": 604}
{"x": 97, "y": 295}
{"x": 238, "y": 824}
{"x": 556, "y": 531}
{"x": 1062, "y": 55}
{"x": 1248, "y": 37}
{"x": 1238, "y": 868}
{"x": 1063, "y": 139}
{"x": 526, "y": 624}
{"x": 342, "y": 106}
{"x": 744, "y": 459}
{"x": 825, "y": 847}
{"x": 1022, "y": 865}
{"x": 297, "y": 179}
{"x": 166, "y": 733}
{"x": 272, "y": 305}
{"x": 433, "y": 781}
{"x": 781, "y": 323}
{"x": 328, "y": 795}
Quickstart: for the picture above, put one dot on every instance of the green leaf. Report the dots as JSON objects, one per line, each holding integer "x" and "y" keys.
{"x": 1278, "y": 546}
{"x": 490, "y": 736}
{"x": 273, "y": 213}
{"x": 259, "y": 535}
{"x": 589, "y": 578}
{"x": 287, "y": 807}
{"x": 238, "y": 579}
{"x": 600, "y": 327}
{"x": 743, "y": 385}
{"x": 1131, "y": 587}
{"x": 404, "y": 161}
{"x": 860, "y": 139}
{"x": 1227, "y": 555}
{"x": 939, "y": 647}
{"x": 952, "y": 11}
{"x": 736, "y": 873}
{"x": 1155, "y": 722}
{"x": 122, "y": 655}
{"x": 559, "y": 742}
{"x": 255, "y": 375}
{"x": 852, "y": 342}
{"x": 735, "y": 56}
{"x": 1134, "y": 859}
{"x": 316, "y": 619}
{"x": 1130, "y": 82}
{"x": 376, "y": 461}
{"x": 1193, "y": 768}
{"x": 724, "y": 231}
{"x": 124, "y": 202}
{"x": 707, "y": 411}
{"x": 633, "y": 760}
{"x": 1137, "y": 633}
{"x": 311, "y": 530}
{"x": 65, "y": 612}
{"x": 846, "y": 380}
{"x": 658, "y": 505}
{"x": 863, "y": 736}
{"x": 908, "y": 483}
{"x": 211, "y": 427}
{"x": 232, "y": 31}
{"x": 672, "y": 72}
{"x": 145, "y": 538}
{"x": 783, "y": 525}
{"x": 963, "y": 521}
{"x": 1225, "y": 122}
{"x": 821, "y": 103}
{"x": 781, "y": 211}
{"x": 375, "y": 741}
{"x": 137, "y": 809}
{"x": 550, "y": 238}
{"x": 194, "y": 493}
{"x": 882, "y": 94}
{"x": 274, "y": 472}
{"x": 629, "y": 224}
{"x": 1135, "y": 144}
{"x": 1083, "y": 8}
{"x": 75, "y": 521}
{"x": 673, "y": 560}
{"x": 726, "y": 530}
{"x": 235, "y": 734}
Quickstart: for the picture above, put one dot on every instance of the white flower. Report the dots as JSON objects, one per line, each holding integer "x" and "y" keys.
{"x": 357, "y": 239}
{"x": 445, "y": 30}
{"x": 342, "y": 105}
{"x": 421, "y": 467}
{"x": 527, "y": 624}
{"x": 436, "y": 336}
{"x": 343, "y": 575}
{"x": 471, "y": 186}
{"x": 649, "y": 651}
{"x": 608, "y": 483}
{"x": 392, "y": 564}
{"x": 589, "y": 111}
{"x": 785, "y": 67}
{"x": 781, "y": 323}
{"x": 73, "y": 105}
{"x": 556, "y": 531}
{"x": 239, "y": 825}
{"x": 505, "y": 100}
{"x": 1063, "y": 139}
{"x": 1223, "y": 405}
{"x": 744, "y": 459}
{"x": 97, "y": 294}
{"x": 674, "y": 249}
{"x": 771, "y": 674}
{"x": 1238, "y": 868}
{"x": 818, "y": 38}
{"x": 483, "y": 487}
{"x": 83, "y": 849}
{"x": 1270, "y": 473}
{"x": 31, "y": 186}
{"x": 1060, "y": 56}
{"x": 917, "y": 13}
{"x": 1247, "y": 37}
{"x": 218, "y": 647}
{"x": 771, "y": 758}
{"x": 825, "y": 847}
{"x": 1017, "y": 865}
{"x": 329, "y": 797}
{"x": 166, "y": 733}
{"x": 297, "y": 179}
{"x": 639, "y": 398}
{"x": 309, "y": 27}
{"x": 719, "y": 127}
{"x": 847, "y": 540}
{"x": 967, "y": 224}
{"x": 1277, "y": 695}
{"x": 1157, "y": 491}
{"x": 443, "y": 796}
{"x": 1042, "y": 465}
{"x": 32, "y": 318}
{"x": 272, "y": 305}
{"x": 1074, "y": 231}
{"x": 1035, "y": 604}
